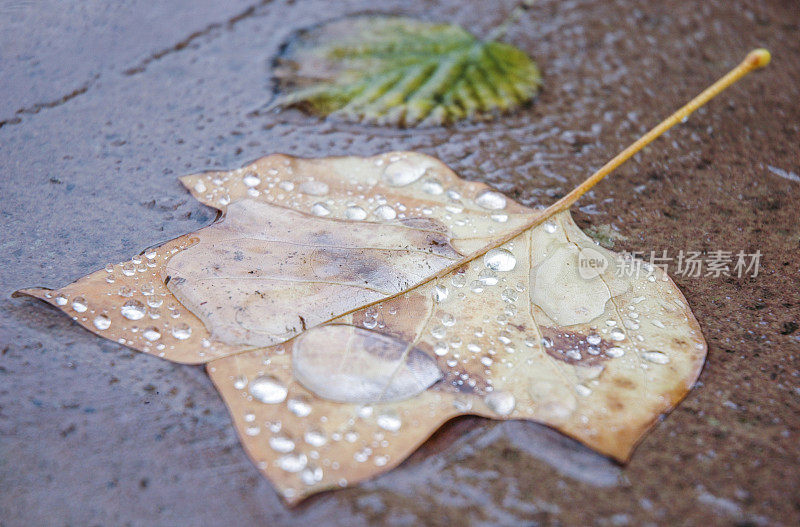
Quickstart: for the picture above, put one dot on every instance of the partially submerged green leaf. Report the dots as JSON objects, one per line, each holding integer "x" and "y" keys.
{"x": 401, "y": 71}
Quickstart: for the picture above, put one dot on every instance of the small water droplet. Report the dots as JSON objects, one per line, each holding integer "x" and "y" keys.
{"x": 385, "y": 212}
{"x": 389, "y": 421}
{"x": 133, "y": 310}
{"x": 102, "y": 322}
{"x": 293, "y": 462}
{"x": 240, "y": 382}
{"x": 61, "y": 300}
{"x": 656, "y": 357}
{"x": 440, "y": 348}
{"x": 615, "y": 352}
{"x": 320, "y": 209}
{"x": 281, "y": 443}
{"x": 509, "y": 295}
{"x": 500, "y": 260}
{"x": 550, "y": 226}
{"x": 355, "y": 213}
{"x": 403, "y": 172}
{"x": 79, "y": 304}
{"x": 458, "y": 280}
{"x": 268, "y": 389}
{"x": 152, "y": 334}
{"x": 311, "y": 475}
{"x": 491, "y": 200}
{"x": 501, "y": 403}
{"x": 594, "y": 339}
{"x": 617, "y": 334}
{"x": 251, "y": 180}
{"x": 314, "y": 188}
{"x": 315, "y": 438}
{"x": 299, "y": 407}
{"x": 432, "y": 187}
{"x": 488, "y": 277}
{"x": 440, "y": 293}
{"x": 181, "y": 331}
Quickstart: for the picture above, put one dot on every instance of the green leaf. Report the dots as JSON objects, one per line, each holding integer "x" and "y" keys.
{"x": 403, "y": 72}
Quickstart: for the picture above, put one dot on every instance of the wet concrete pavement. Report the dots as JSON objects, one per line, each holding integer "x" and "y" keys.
{"x": 104, "y": 105}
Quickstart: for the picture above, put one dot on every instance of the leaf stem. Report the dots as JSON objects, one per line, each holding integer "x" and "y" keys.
{"x": 756, "y": 59}
{"x": 513, "y": 17}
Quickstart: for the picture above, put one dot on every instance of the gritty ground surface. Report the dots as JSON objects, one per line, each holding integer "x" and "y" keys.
{"x": 104, "y": 104}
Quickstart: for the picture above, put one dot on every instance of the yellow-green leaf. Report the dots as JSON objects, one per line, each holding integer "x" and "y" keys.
{"x": 403, "y": 72}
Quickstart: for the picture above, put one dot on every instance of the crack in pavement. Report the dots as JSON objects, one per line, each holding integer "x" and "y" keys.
{"x": 228, "y": 24}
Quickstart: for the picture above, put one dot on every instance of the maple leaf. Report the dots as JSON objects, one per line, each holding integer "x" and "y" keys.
{"x": 403, "y": 72}
{"x": 347, "y": 307}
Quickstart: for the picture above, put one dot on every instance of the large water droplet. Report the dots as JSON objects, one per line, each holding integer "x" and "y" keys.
{"x": 133, "y": 310}
{"x": 501, "y": 403}
{"x": 491, "y": 200}
{"x": 440, "y": 293}
{"x": 102, "y": 322}
{"x": 268, "y": 389}
{"x": 500, "y": 260}
{"x": 61, "y": 300}
{"x": 617, "y": 334}
{"x": 349, "y": 364}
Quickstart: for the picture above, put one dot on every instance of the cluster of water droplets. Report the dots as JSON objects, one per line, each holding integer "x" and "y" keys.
{"x": 130, "y": 303}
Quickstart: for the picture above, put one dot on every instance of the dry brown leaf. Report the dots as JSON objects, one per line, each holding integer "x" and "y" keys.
{"x": 342, "y": 324}
{"x": 517, "y": 334}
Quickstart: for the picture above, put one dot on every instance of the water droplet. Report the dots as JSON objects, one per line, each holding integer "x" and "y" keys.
{"x": 314, "y": 188}
{"x": 615, "y": 352}
{"x": 251, "y": 180}
{"x": 152, "y": 334}
{"x": 583, "y": 391}
{"x": 320, "y": 209}
{"x": 403, "y": 172}
{"x": 458, "y": 280}
{"x": 381, "y": 460}
{"x": 474, "y": 347}
{"x": 390, "y": 421}
{"x": 440, "y": 293}
{"x": 268, "y": 389}
{"x": 501, "y": 403}
{"x": 487, "y": 361}
{"x": 311, "y": 475}
{"x": 488, "y": 277}
{"x": 656, "y": 357}
{"x": 491, "y": 200}
{"x": 500, "y": 260}
{"x": 385, "y": 212}
{"x": 550, "y": 226}
{"x": 199, "y": 187}
{"x": 79, "y": 304}
{"x": 432, "y": 186}
{"x": 500, "y": 217}
{"x": 448, "y": 320}
{"x": 355, "y": 213}
{"x": 593, "y": 339}
{"x": 61, "y": 300}
{"x": 281, "y": 443}
{"x": 181, "y": 331}
{"x": 102, "y": 322}
{"x": 128, "y": 269}
{"x": 133, "y": 310}
{"x": 299, "y": 407}
{"x": 617, "y": 334}
{"x": 509, "y": 295}
{"x": 293, "y": 462}
{"x": 315, "y": 438}
{"x": 240, "y": 382}
{"x": 440, "y": 348}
